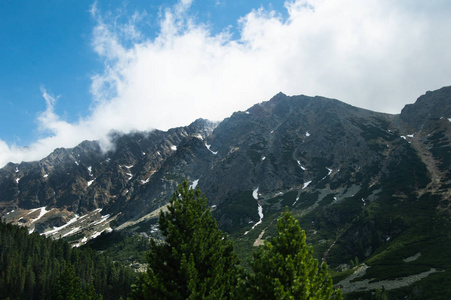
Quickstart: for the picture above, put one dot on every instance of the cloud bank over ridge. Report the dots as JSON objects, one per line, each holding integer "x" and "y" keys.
{"x": 375, "y": 54}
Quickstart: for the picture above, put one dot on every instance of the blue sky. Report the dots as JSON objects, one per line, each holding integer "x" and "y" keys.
{"x": 73, "y": 70}
{"x": 47, "y": 44}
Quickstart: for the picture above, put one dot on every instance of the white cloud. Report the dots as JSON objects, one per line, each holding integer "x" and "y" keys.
{"x": 376, "y": 54}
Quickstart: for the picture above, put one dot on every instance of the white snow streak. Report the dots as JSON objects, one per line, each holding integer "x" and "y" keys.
{"x": 301, "y": 166}
{"x": 330, "y": 171}
{"x": 56, "y": 229}
{"x": 174, "y": 148}
{"x": 259, "y": 210}
{"x": 33, "y": 210}
{"x": 41, "y": 214}
{"x": 306, "y": 184}
{"x": 260, "y": 214}
{"x": 255, "y": 194}
{"x": 102, "y": 219}
{"x": 96, "y": 234}
{"x": 145, "y": 181}
{"x": 208, "y": 147}
{"x": 194, "y": 184}
{"x": 91, "y": 181}
{"x": 71, "y": 232}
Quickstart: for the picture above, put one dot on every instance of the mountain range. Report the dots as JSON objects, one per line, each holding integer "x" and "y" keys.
{"x": 371, "y": 190}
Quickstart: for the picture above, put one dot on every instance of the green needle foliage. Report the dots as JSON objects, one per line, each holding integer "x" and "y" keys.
{"x": 35, "y": 267}
{"x": 196, "y": 260}
{"x": 68, "y": 287}
{"x": 284, "y": 268}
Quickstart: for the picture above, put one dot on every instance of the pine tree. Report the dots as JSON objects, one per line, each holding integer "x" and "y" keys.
{"x": 284, "y": 267}
{"x": 67, "y": 285}
{"x": 196, "y": 260}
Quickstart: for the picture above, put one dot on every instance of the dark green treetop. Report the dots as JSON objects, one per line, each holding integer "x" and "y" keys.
{"x": 196, "y": 260}
{"x": 284, "y": 267}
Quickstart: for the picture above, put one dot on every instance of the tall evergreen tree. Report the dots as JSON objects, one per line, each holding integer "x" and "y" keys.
{"x": 196, "y": 260}
{"x": 284, "y": 267}
{"x": 67, "y": 285}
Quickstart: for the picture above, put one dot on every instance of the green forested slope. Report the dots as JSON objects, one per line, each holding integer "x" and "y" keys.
{"x": 33, "y": 267}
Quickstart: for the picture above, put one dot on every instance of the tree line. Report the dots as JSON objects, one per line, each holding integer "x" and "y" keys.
{"x": 35, "y": 267}
{"x": 196, "y": 260}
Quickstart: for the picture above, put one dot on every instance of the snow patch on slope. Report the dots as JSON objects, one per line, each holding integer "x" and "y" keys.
{"x": 259, "y": 210}
{"x": 145, "y": 181}
{"x": 57, "y": 229}
{"x": 194, "y": 184}
{"x": 208, "y": 147}
{"x": 301, "y": 166}
{"x": 41, "y": 213}
{"x": 306, "y": 184}
{"x": 255, "y": 194}
{"x": 260, "y": 214}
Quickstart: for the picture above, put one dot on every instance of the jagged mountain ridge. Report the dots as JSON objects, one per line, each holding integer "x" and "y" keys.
{"x": 79, "y": 181}
{"x": 346, "y": 173}
{"x": 276, "y": 145}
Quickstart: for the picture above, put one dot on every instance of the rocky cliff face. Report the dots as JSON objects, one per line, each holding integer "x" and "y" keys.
{"x": 357, "y": 180}
{"x": 70, "y": 183}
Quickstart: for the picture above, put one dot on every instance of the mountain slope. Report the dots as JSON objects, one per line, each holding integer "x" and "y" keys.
{"x": 366, "y": 186}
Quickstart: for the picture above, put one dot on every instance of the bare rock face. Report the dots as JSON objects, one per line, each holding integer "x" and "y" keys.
{"x": 427, "y": 110}
{"x": 86, "y": 178}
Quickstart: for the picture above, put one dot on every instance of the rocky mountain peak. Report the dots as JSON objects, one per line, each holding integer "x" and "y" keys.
{"x": 428, "y": 108}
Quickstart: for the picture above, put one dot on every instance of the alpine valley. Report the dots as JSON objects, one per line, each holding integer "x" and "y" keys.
{"x": 371, "y": 190}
